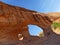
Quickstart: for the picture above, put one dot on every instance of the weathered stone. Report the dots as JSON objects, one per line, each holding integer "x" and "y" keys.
{"x": 15, "y": 20}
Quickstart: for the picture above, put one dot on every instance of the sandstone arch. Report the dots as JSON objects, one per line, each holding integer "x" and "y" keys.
{"x": 14, "y": 20}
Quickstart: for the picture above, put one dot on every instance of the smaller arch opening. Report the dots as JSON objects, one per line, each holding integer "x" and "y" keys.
{"x": 35, "y": 30}
{"x": 20, "y": 37}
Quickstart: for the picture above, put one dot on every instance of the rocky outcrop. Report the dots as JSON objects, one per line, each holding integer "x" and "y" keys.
{"x": 13, "y": 25}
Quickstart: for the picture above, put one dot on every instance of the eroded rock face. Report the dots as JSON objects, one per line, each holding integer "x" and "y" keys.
{"x": 14, "y": 20}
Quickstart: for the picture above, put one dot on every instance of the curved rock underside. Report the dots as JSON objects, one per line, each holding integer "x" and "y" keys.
{"x": 13, "y": 26}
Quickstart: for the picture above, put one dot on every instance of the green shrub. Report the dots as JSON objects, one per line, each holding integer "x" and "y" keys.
{"x": 56, "y": 24}
{"x": 41, "y": 34}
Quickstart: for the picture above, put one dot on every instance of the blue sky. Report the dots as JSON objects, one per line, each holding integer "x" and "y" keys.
{"x": 37, "y": 5}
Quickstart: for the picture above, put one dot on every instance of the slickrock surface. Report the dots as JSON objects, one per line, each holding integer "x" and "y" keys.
{"x": 14, "y": 21}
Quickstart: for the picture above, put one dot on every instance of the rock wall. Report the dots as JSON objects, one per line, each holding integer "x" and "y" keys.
{"x": 13, "y": 26}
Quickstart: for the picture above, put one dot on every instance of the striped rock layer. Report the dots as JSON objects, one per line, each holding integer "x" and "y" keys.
{"x": 14, "y": 21}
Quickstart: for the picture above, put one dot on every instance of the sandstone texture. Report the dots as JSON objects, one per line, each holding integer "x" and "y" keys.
{"x": 14, "y": 23}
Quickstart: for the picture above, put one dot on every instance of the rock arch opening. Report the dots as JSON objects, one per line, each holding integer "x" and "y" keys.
{"x": 35, "y": 30}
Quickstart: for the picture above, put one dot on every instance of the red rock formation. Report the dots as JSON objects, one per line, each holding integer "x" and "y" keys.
{"x": 14, "y": 21}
